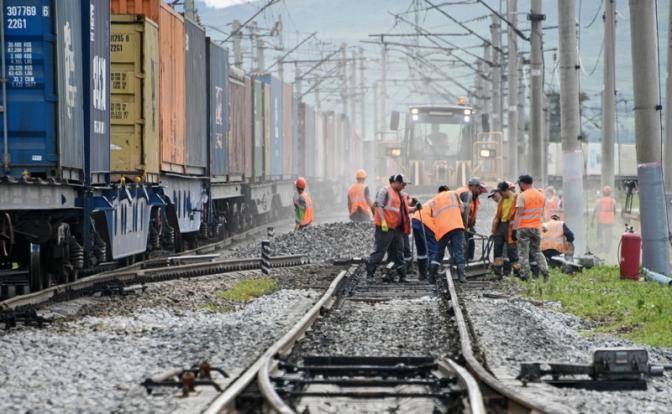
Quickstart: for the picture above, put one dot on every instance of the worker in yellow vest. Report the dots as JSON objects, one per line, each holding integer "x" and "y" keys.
{"x": 556, "y": 238}
{"x": 529, "y": 214}
{"x": 502, "y": 231}
{"x": 604, "y": 215}
{"x": 469, "y": 197}
{"x": 359, "y": 201}
{"x": 446, "y": 210}
{"x": 303, "y": 205}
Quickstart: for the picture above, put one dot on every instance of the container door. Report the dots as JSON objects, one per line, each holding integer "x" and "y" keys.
{"x": 218, "y": 108}
{"x": 258, "y": 113}
{"x": 196, "y": 130}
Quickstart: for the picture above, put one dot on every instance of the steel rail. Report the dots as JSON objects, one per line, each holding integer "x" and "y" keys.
{"x": 226, "y": 401}
{"x": 523, "y": 404}
{"x": 149, "y": 275}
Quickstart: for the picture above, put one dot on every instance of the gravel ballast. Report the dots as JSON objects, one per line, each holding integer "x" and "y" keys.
{"x": 512, "y": 331}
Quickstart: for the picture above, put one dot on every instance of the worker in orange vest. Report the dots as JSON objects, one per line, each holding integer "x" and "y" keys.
{"x": 604, "y": 214}
{"x": 556, "y": 238}
{"x": 529, "y": 216}
{"x": 303, "y": 205}
{"x": 502, "y": 231}
{"x": 424, "y": 235}
{"x": 469, "y": 197}
{"x": 552, "y": 203}
{"x": 359, "y": 201}
{"x": 447, "y": 212}
{"x": 391, "y": 219}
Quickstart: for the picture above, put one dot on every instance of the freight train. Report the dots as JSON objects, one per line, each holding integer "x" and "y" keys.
{"x": 125, "y": 131}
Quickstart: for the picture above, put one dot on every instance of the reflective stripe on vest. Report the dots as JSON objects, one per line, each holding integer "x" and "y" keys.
{"x": 391, "y": 210}
{"x": 530, "y": 215}
{"x": 445, "y": 210}
{"x": 554, "y": 237}
{"x": 308, "y": 213}
{"x": 357, "y": 197}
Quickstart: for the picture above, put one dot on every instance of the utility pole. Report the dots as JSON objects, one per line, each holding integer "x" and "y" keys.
{"x": 376, "y": 114}
{"x": 609, "y": 95}
{"x": 383, "y": 90}
{"x": 537, "y": 134}
{"x": 487, "y": 86}
{"x": 190, "y": 9}
{"x": 362, "y": 97}
{"x": 496, "y": 75}
{"x": 354, "y": 96}
{"x": 237, "y": 40}
{"x": 298, "y": 81}
{"x": 344, "y": 79}
{"x": 572, "y": 156}
{"x": 512, "y": 83}
{"x": 667, "y": 160}
{"x": 523, "y": 148}
{"x": 655, "y": 237}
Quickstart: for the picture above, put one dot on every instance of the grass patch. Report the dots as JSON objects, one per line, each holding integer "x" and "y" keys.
{"x": 639, "y": 311}
{"x": 217, "y": 308}
{"x": 247, "y": 290}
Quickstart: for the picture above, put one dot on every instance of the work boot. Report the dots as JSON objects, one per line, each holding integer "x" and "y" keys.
{"x": 499, "y": 272}
{"x": 388, "y": 279}
{"x": 433, "y": 270}
{"x": 545, "y": 276}
{"x": 402, "y": 276}
{"x": 461, "y": 273}
{"x": 422, "y": 269}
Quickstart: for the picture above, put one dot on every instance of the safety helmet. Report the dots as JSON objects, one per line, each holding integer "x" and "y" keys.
{"x": 360, "y": 175}
{"x": 550, "y": 189}
{"x": 606, "y": 189}
{"x": 300, "y": 183}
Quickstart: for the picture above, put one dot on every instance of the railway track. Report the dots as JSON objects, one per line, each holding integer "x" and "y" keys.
{"x": 288, "y": 378}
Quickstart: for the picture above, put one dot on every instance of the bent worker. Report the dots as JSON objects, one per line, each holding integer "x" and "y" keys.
{"x": 502, "y": 231}
{"x": 392, "y": 221}
{"x": 469, "y": 196}
{"x": 359, "y": 201}
{"x": 303, "y": 205}
{"x": 529, "y": 214}
{"x": 425, "y": 239}
{"x": 446, "y": 209}
{"x": 556, "y": 239}
{"x": 604, "y": 214}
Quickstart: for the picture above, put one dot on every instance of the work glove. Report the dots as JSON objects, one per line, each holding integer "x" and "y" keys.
{"x": 418, "y": 206}
{"x": 296, "y": 227}
{"x": 414, "y": 201}
{"x": 384, "y": 227}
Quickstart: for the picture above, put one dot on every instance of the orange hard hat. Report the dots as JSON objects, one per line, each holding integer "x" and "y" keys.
{"x": 606, "y": 189}
{"x": 360, "y": 175}
{"x": 300, "y": 183}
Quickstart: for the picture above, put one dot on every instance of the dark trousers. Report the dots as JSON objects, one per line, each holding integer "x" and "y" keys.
{"x": 455, "y": 240}
{"x": 424, "y": 252}
{"x": 391, "y": 241}
{"x": 360, "y": 216}
{"x": 469, "y": 245}
{"x": 500, "y": 244}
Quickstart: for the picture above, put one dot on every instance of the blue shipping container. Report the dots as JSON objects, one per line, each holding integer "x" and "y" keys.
{"x": 275, "y": 123}
{"x": 218, "y": 108}
{"x": 43, "y": 52}
{"x": 96, "y": 55}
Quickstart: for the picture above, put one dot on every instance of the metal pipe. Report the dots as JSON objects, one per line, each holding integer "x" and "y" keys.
{"x": 656, "y": 277}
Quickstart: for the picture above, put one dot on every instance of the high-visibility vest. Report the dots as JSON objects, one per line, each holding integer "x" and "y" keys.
{"x": 605, "y": 210}
{"x": 473, "y": 205}
{"x": 391, "y": 210}
{"x": 554, "y": 237}
{"x": 552, "y": 207}
{"x": 357, "y": 197}
{"x": 529, "y": 216}
{"x": 510, "y": 218}
{"x": 445, "y": 211}
{"x": 308, "y": 214}
{"x": 425, "y": 216}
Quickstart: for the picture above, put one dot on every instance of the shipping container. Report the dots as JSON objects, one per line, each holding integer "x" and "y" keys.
{"x": 287, "y": 129}
{"x": 148, "y": 8}
{"x": 275, "y": 120}
{"x": 172, "y": 90}
{"x": 196, "y": 135}
{"x": 300, "y": 147}
{"x": 240, "y": 122}
{"x": 330, "y": 145}
{"x": 96, "y": 82}
{"x": 247, "y": 137}
{"x": 320, "y": 144}
{"x": 134, "y": 149}
{"x": 45, "y": 125}
{"x": 338, "y": 148}
{"x": 258, "y": 129}
{"x": 267, "y": 130}
{"x": 310, "y": 139}
{"x": 218, "y": 108}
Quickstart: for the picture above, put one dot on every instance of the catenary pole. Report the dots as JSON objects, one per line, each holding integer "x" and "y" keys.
{"x": 536, "y": 93}
{"x": 512, "y": 87}
{"x": 572, "y": 157}
{"x": 655, "y": 245}
{"x": 609, "y": 95}
{"x": 667, "y": 164}
{"x": 496, "y": 75}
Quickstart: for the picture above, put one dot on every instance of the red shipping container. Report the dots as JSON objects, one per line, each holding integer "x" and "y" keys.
{"x": 147, "y": 8}
{"x": 240, "y": 127}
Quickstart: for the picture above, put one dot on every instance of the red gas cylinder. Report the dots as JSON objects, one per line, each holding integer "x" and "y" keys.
{"x": 629, "y": 255}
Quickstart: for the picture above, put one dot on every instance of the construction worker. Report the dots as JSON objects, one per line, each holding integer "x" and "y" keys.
{"x": 529, "y": 214}
{"x": 303, "y": 205}
{"x": 447, "y": 212}
{"x": 502, "y": 231}
{"x": 469, "y": 197}
{"x": 359, "y": 201}
{"x": 604, "y": 214}
{"x": 556, "y": 238}
{"x": 392, "y": 221}
{"x": 552, "y": 205}
{"x": 425, "y": 240}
